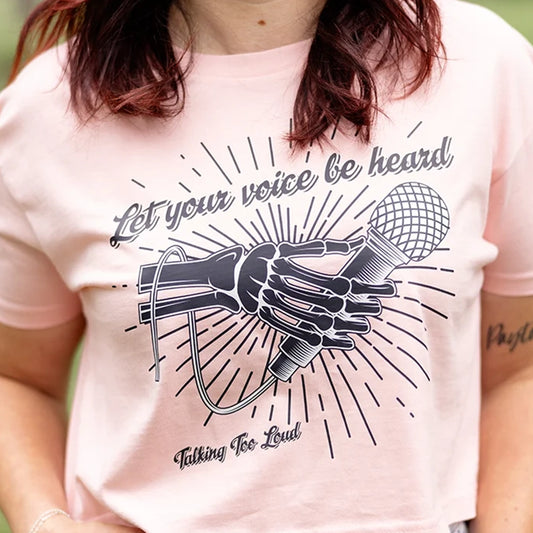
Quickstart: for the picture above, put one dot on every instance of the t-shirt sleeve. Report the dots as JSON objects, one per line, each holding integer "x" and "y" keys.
{"x": 32, "y": 293}
{"x": 510, "y": 214}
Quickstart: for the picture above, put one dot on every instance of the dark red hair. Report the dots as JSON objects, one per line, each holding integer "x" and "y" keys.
{"x": 121, "y": 57}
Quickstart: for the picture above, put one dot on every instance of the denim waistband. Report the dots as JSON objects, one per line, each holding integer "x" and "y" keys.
{"x": 459, "y": 527}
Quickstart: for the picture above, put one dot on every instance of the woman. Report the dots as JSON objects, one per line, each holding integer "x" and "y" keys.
{"x": 273, "y": 221}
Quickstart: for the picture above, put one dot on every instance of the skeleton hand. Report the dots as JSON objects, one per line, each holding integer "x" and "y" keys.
{"x": 321, "y": 309}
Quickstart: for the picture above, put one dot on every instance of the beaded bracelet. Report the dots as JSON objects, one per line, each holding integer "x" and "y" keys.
{"x": 46, "y": 516}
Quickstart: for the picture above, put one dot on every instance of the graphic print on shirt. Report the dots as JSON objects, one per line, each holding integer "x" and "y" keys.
{"x": 262, "y": 283}
{"x": 314, "y": 311}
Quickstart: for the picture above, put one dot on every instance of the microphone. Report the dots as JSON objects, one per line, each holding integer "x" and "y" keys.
{"x": 408, "y": 225}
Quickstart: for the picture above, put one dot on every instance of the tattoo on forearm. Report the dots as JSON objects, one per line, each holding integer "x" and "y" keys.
{"x": 498, "y": 335}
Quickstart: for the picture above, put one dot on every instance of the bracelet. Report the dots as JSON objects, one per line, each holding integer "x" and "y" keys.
{"x": 46, "y": 516}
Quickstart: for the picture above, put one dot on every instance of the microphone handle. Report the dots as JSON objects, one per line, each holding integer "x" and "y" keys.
{"x": 372, "y": 263}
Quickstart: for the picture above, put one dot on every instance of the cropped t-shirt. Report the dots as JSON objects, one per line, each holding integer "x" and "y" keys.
{"x": 277, "y": 340}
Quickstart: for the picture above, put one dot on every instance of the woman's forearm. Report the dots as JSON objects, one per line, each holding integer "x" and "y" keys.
{"x": 32, "y": 451}
{"x": 505, "y": 501}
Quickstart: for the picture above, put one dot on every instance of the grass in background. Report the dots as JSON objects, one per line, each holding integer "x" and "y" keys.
{"x": 10, "y": 22}
{"x": 518, "y": 13}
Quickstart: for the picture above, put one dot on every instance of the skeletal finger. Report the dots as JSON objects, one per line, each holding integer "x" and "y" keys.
{"x": 339, "y": 342}
{"x": 319, "y": 247}
{"x": 309, "y": 316}
{"x": 336, "y": 284}
{"x": 368, "y": 306}
{"x": 333, "y": 304}
{"x": 385, "y": 289}
{"x": 358, "y": 325}
{"x": 294, "y": 330}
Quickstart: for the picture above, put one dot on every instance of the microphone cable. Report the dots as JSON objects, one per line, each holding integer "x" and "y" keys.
{"x": 195, "y": 352}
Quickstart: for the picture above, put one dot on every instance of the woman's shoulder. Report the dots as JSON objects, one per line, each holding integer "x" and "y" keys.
{"x": 40, "y": 89}
{"x": 35, "y": 116}
{"x": 35, "y": 107}
{"x": 477, "y": 32}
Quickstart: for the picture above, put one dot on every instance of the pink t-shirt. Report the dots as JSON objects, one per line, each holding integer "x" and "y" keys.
{"x": 227, "y": 383}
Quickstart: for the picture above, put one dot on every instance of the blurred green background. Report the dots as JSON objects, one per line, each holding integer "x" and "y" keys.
{"x": 519, "y": 13}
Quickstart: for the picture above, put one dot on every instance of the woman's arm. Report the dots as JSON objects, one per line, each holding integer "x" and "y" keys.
{"x": 506, "y": 471}
{"x": 34, "y": 370}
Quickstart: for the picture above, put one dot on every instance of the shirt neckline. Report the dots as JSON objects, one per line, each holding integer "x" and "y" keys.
{"x": 252, "y": 64}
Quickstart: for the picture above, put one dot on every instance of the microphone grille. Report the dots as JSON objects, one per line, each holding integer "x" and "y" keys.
{"x": 414, "y": 218}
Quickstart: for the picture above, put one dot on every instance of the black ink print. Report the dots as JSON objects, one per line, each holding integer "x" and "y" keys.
{"x": 497, "y": 335}
{"x": 265, "y": 282}
{"x": 412, "y": 162}
{"x": 313, "y": 310}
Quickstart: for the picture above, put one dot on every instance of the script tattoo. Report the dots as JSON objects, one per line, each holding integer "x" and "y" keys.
{"x": 499, "y": 336}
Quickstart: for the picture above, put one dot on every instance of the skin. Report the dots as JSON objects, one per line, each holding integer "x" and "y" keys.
{"x": 34, "y": 370}
{"x": 506, "y": 468}
{"x": 34, "y": 365}
{"x": 245, "y": 26}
